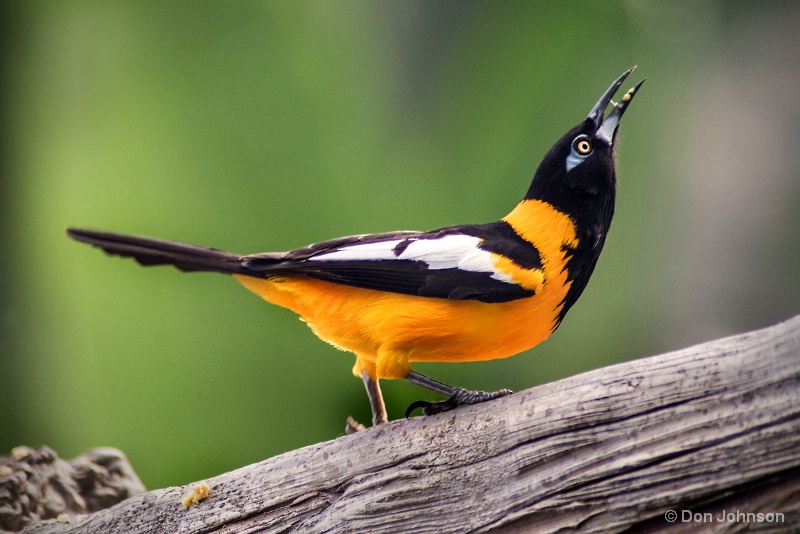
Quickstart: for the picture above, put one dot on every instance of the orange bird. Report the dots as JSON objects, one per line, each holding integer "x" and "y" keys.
{"x": 461, "y": 293}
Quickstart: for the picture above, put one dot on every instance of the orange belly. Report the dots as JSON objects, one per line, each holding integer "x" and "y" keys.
{"x": 387, "y": 331}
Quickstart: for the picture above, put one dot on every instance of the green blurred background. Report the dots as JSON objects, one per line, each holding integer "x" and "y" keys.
{"x": 260, "y": 126}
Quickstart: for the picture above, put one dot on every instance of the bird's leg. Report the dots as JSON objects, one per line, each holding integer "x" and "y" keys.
{"x": 379, "y": 416}
{"x": 455, "y": 395}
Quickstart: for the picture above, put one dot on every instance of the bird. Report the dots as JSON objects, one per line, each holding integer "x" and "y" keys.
{"x": 460, "y": 293}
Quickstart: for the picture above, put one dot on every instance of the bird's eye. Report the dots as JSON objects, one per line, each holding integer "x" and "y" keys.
{"x": 582, "y": 146}
{"x": 581, "y": 149}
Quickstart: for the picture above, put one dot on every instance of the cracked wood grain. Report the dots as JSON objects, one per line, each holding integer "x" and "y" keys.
{"x": 708, "y": 428}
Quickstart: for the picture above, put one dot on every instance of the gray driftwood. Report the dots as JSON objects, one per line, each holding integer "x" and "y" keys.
{"x": 708, "y": 429}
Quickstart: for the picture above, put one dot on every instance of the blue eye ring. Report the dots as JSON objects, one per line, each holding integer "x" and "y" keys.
{"x": 580, "y": 150}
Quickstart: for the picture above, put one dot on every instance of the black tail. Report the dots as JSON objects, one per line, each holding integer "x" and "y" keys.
{"x": 148, "y": 251}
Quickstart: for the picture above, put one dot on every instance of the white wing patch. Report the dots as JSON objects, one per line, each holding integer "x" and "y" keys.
{"x": 381, "y": 250}
{"x": 448, "y": 252}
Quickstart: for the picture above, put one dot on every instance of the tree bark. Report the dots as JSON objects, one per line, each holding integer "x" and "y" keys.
{"x": 708, "y": 431}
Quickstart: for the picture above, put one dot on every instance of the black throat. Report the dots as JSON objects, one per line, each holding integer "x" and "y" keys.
{"x": 588, "y": 199}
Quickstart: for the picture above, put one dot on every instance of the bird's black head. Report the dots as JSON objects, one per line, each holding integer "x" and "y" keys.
{"x": 577, "y": 175}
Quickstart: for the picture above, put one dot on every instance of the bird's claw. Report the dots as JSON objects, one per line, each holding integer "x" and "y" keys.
{"x": 352, "y": 426}
{"x": 432, "y": 407}
{"x": 462, "y": 396}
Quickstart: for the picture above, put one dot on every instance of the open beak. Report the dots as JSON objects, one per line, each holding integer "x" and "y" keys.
{"x": 607, "y": 127}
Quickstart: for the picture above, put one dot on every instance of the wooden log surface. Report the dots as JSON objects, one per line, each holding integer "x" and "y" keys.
{"x": 713, "y": 429}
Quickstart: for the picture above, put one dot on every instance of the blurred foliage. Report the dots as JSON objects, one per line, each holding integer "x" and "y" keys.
{"x": 255, "y": 126}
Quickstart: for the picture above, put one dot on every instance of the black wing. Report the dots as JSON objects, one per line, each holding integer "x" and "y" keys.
{"x": 452, "y": 263}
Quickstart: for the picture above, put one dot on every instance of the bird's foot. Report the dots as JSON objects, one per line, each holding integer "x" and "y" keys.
{"x": 460, "y": 396}
{"x": 352, "y": 426}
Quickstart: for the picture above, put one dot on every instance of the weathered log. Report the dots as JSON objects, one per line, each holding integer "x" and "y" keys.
{"x": 712, "y": 429}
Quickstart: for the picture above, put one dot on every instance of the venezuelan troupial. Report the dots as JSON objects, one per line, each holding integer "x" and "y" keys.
{"x": 461, "y": 293}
